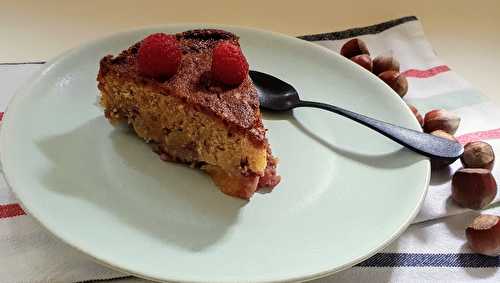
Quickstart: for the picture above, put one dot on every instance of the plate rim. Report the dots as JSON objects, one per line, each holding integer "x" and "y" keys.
{"x": 37, "y": 75}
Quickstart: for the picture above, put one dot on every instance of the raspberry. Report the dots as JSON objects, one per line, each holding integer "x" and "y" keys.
{"x": 229, "y": 65}
{"x": 159, "y": 56}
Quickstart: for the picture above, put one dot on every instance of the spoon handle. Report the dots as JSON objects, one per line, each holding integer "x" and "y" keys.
{"x": 425, "y": 144}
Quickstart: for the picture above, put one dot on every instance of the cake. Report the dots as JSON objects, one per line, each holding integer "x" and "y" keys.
{"x": 191, "y": 117}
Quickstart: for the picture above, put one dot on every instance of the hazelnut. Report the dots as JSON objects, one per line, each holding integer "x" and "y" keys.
{"x": 396, "y": 81}
{"x": 473, "y": 188}
{"x": 483, "y": 235}
{"x": 417, "y": 114}
{"x": 385, "y": 63}
{"x": 440, "y": 119}
{"x": 364, "y": 60}
{"x": 443, "y": 134}
{"x": 437, "y": 163}
{"x": 354, "y": 47}
{"x": 478, "y": 154}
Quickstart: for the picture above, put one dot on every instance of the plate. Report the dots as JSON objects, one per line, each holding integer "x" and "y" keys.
{"x": 346, "y": 191}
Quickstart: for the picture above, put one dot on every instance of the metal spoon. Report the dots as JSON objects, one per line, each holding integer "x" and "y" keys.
{"x": 277, "y": 95}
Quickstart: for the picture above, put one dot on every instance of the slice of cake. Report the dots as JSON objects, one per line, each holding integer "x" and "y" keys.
{"x": 190, "y": 96}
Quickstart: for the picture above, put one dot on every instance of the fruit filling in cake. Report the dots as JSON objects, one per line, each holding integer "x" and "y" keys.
{"x": 190, "y": 96}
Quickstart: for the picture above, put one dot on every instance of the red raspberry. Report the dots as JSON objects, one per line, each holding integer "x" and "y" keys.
{"x": 159, "y": 56}
{"x": 229, "y": 65}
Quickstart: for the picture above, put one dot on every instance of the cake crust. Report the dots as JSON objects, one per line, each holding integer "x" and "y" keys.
{"x": 238, "y": 107}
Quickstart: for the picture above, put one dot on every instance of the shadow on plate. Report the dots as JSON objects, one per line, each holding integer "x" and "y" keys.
{"x": 396, "y": 159}
{"x": 192, "y": 214}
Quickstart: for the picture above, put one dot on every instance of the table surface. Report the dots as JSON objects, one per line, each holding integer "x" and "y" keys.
{"x": 463, "y": 33}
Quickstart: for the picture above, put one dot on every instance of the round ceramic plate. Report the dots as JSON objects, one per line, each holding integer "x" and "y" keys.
{"x": 346, "y": 191}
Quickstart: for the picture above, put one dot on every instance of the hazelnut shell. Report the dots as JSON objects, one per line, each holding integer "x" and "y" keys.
{"x": 478, "y": 154}
{"x": 354, "y": 47}
{"x": 364, "y": 60}
{"x": 483, "y": 235}
{"x": 473, "y": 188}
{"x": 385, "y": 63}
{"x": 445, "y": 135}
{"x": 396, "y": 81}
{"x": 440, "y": 119}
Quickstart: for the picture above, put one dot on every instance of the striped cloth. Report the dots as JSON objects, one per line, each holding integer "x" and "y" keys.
{"x": 432, "y": 249}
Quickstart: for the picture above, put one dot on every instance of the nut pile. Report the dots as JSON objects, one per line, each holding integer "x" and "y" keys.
{"x": 385, "y": 67}
{"x": 473, "y": 186}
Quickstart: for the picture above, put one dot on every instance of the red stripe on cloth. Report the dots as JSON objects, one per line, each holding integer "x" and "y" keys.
{"x": 414, "y": 73}
{"x": 477, "y": 136}
{"x": 11, "y": 210}
{"x": 1, "y": 116}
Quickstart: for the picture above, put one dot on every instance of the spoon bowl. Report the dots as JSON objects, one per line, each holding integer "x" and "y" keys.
{"x": 274, "y": 93}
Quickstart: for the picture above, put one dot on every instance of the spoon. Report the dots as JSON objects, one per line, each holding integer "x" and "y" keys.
{"x": 277, "y": 95}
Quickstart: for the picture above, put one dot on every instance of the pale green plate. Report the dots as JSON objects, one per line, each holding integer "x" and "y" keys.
{"x": 346, "y": 191}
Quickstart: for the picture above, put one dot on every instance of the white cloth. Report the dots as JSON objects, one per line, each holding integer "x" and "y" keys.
{"x": 433, "y": 250}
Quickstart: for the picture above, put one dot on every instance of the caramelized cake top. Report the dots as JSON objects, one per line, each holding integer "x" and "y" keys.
{"x": 238, "y": 106}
